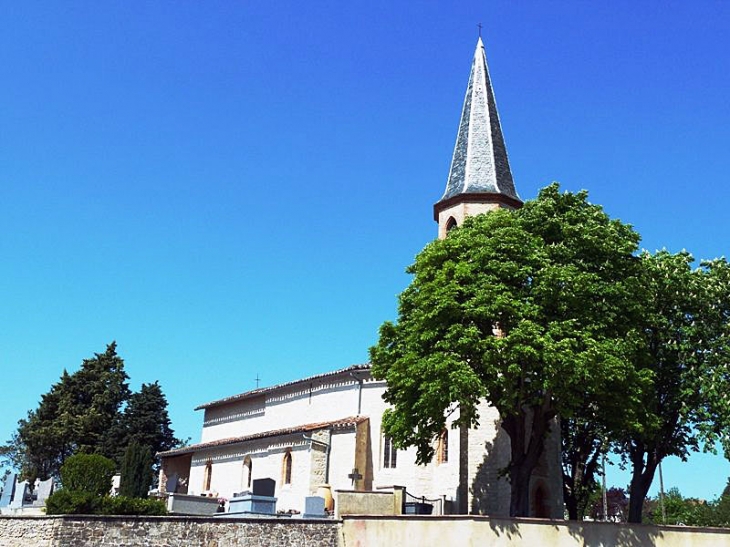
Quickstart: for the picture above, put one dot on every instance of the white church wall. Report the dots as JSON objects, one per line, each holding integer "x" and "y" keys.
{"x": 298, "y": 405}
{"x": 291, "y": 496}
{"x": 225, "y": 472}
{"x": 431, "y": 480}
{"x": 267, "y": 461}
{"x": 487, "y": 449}
{"x": 226, "y": 420}
{"x": 342, "y": 460}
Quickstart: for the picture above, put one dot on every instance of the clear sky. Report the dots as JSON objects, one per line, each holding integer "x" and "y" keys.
{"x": 233, "y": 189}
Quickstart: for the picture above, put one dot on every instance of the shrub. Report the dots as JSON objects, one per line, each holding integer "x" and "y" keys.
{"x": 72, "y": 502}
{"x": 122, "y": 505}
{"x": 90, "y": 473}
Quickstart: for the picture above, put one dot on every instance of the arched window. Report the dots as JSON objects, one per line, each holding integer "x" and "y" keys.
{"x": 247, "y": 473}
{"x": 390, "y": 454}
{"x": 442, "y": 447}
{"x": 286, "y": 468}
{"x": 207, "y": 476}
{"x": 450, "y": 224}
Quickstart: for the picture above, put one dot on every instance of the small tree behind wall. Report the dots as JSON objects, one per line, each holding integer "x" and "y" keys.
{"x": 137, "y": 474}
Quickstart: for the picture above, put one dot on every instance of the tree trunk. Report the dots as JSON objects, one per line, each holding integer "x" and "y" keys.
{"x": 519, "y": 503}
{"x": 527, "y": 430}
{"x": 571, "y": 503}
{"x": 581, "y": 446}
{"x": 642, "y": 476}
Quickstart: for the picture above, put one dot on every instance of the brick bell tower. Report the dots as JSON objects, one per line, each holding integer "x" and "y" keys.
{"x": 479, "y": 179}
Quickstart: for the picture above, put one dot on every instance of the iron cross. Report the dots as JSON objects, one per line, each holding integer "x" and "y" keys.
{"x": 355, "y": 475}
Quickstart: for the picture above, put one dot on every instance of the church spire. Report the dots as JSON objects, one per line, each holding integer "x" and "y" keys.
{"x": 479, "y": 178}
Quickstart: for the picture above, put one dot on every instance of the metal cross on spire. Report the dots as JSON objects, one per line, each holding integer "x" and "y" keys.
{"x": 480, "y": 29}
{"x": 257, "y": 381}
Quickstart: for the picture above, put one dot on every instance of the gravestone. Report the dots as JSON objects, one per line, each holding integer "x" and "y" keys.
{"x": 264, "y": 487}
{"x": 8, "y": 490}
{"x": 314, "y": 507}
{"x": 171, "y": 484}
{"x": 260, "y": 501}
{"x": 21, "y": 492}
{"x": 45, "y": 488}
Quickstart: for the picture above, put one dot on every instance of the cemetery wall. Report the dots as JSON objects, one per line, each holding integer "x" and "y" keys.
{"x": 351, "y": 531}
{"x": 25, "y": 531}
{"x": 98, "y": 531}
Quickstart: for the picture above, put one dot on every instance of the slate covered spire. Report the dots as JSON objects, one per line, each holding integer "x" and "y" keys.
{"x": 479, "y": 167}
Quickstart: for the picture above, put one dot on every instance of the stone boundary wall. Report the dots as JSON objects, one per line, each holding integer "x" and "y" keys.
{"x": 351, "y": 531}
{"x": 472, "y": 531}
{"x": 102, "y": 531}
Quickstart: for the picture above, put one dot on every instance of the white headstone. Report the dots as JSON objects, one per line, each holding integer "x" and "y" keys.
{"x": 21, "y": 491}
{"x": 8, "y": 490}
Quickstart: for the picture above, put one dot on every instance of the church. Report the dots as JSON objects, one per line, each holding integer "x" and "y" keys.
{"x": 326, "y": 429}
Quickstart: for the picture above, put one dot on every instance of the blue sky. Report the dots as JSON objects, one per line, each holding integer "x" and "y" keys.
{"x": 233, "y": 189}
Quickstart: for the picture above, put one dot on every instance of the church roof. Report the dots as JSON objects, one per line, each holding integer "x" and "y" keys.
{"x": 342, "y": 423}
{"x": 265, "y": 390}
{"x": 479, "y": 164}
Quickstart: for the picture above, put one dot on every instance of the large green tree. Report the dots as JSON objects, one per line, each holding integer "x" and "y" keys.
{"x": 685, "y": 348}
{"x": 89, "y": 411}
{"x": 76, "y": 415}
{"x": 531, "y": 310}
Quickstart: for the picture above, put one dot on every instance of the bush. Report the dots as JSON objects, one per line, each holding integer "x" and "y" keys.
{"x": 90, "y": 473}
{"x": 122, "y": 505}
{"x": 72, "y": 502}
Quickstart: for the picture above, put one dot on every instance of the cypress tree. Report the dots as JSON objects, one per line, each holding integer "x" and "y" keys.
{"x": 136, "y": 475}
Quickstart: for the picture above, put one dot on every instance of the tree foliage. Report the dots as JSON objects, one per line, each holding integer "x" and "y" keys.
{"x": 685, "y": 348}
{"x": 136, "y": 475}
{"x": 531, "y": 310}
{"x": 688, "y": 511}
{"x": 76, "y": 415}
{"x": 145, "y": 421}
{"x": 89, "y": 411}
